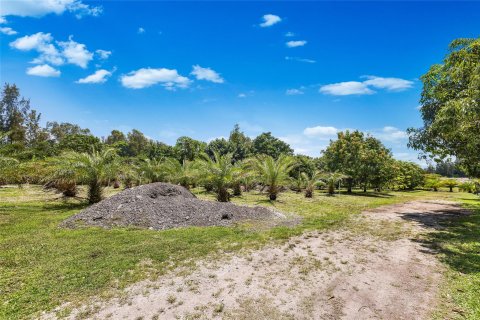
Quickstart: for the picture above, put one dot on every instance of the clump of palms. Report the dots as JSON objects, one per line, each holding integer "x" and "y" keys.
{"x": 61, "y": 176}
{"x": 8, "y": 169}
{"x": 220, "y": 173}
{"x": 152, "y": 170}
{"x": 467, "y": 186}
{"x": 273, "y": 173}
{"x": 332, "y": 179}
{"x": 433, "y": 182}
{"x": 94, "y": 169}
{"x": 182, "y": 173}
{"x": 311, "y": 181}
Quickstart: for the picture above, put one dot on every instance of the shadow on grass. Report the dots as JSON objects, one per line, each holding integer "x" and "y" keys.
{"x": 457, "y": 237}
{"x": 366, "y": 194}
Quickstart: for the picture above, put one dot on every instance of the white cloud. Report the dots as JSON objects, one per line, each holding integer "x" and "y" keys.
{"x": 67, "y": 51}
{"x": 366, "y": 87}
{"x": 293, "y": 92}
{"x": 43, "y": 71}
{"x": 300, "y": 59}
{"x": 269, "y": 20}
{"x": 140, "y": 30}
{"x": 42, "y": 43}
{"x": 3, "y": 20}
{"x": 391, "y": 134}
{"x": 147, "y": 77}
{"x": 100, "y": 76}
{"x": 392, "y": 84}
{"x": 242, "y": 95}
{"x": 289, "y": 34}
{"x": 103, "y": 54}
{"x": 8, "y": 31}
{"x": 76, "y": 53}
{"x": 296, "y": 43}
{"x": 346, "y": 88}
{"x": 321, "y": 132}
{"x": 40, "y": 8}
{"x": 206, "y": 74}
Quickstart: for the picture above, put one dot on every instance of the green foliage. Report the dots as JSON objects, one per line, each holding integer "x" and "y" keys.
{"x": 311, "y": 181}
{"x": 450, "y": 101}
{"x": 332, "y": 180}
{"x": 220, "y": 173}
{"x": 405, "y": 175}
{"x": 182, "y": 173}
{"x": 450, "y": 184}
{"x": 188, "y": 149}
{"x": 433, "y": 182}
{"x": 272, "y": 173}
{"x": 266, "y": 144}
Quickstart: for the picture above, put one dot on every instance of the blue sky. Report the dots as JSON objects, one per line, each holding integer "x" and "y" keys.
{"x": 300, "y": 70}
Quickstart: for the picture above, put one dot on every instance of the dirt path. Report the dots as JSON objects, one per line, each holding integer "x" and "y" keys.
{"x": 372, "y": 269}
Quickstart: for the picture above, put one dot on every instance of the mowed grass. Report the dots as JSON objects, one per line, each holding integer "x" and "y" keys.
{"x": 43, "y": 265}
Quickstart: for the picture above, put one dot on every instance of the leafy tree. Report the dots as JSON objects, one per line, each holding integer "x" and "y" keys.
{"x": 220, "y": 173}
{"x": 13, "y": 114}
{"x": 152, "y": 170}
{"x": 239, "y": 144}
{"x": 219, "y": 145}
{"x": 115, "y": 137}
{"x": 8, "y": 170}
{"x": 405, "y": 175}
{"x": 94, "y": 169}
{"x": 375, "y": 159}
{"x": 267, "y": 144}
{"x": 450, "y": 102}
{"x": 272, "y": 172}
{"x": 159, "y": 150}
{"x": 303, "y": 164}
{"x": 137, "y": 142}
{"x": 60, "y": 131}
{"x": 189, "y": 149}
{"x": 433, "y": 182}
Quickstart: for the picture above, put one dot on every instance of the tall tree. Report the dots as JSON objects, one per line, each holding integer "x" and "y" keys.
{"x": 450, "y": 107}
{"x": 137, "y": 142}
{"x": 189, "y": 149}
{"x": 267, "y": 144}
{"x": 240, "y": 144}
{"x": 13, "y": 114}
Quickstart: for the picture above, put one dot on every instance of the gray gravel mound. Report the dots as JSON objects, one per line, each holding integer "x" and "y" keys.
{"x": 163, "y": 206}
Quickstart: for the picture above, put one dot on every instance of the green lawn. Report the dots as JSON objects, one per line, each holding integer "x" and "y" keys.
{"x": 42, "y": 265}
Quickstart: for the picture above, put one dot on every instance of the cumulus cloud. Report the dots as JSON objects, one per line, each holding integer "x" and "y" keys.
{"x": 3, "y": 20}
{"x": 8, "y": 31}
{"x": 146, "y": 77}
{"x": 392, "y": 84}
{"x": 296, "y": 43}
{"x": 289, "y": 34}
{"x": 76, "y": 53}
{"x": 366, "y": 87}
{"x": 140, "y": 30}
{"x": 346, "y": 88}
{"x": 40, "y": 8}
{"x": 103, "y": 54}
{"x": 206, "y": 74}
{"x": 100, "y": 76}
{"x": 293, "y": 92}
{"x": 66, "y": 52}
{"x": 241, "y": 95}
{"x": 43, "y": 70}
{"x": 269, "y": 20}
{"x": 321, "y": 132}
{"x": 300, "y": 59}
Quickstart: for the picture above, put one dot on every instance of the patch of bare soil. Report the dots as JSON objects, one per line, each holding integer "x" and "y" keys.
{"x": 373, "y": 268}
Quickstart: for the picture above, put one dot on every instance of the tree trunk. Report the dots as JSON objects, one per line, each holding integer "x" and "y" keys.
{"x": 237, "y": 190}
{"x": 94, "y": 192}
{"x": 451, "y": 189}
{"x": 308, "y": 193}
{"x": 364, "y": 188}
{"x": 223, "y": 195}
{"x": 349, "y": 185}
{"x": 331, "y": 188}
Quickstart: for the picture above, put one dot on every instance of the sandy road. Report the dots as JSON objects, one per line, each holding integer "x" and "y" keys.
{"x": 373, "y": 268}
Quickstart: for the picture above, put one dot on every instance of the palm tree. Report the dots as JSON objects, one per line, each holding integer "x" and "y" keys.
{"x": 273, "y": 173}
{"x": 61, "y": 176}
{"x": 220, "y": 173}
{"x": 94, "y": 169}
{"x": 152, "y": 170}
{"x": 8, "y": 170}
{"x": 310, "y": 182}
{"x": 450, "y": 184}
{"x": 182, "y": 173}
{"x": 332, "y": 178}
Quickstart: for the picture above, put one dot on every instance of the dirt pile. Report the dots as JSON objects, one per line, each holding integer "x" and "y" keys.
{"x": 163, "y": 206}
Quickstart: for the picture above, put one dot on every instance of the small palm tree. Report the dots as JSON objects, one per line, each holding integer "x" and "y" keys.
{"x": 450, "y": 184}
{"x": 182, "y": 173}
{"x": 220, "y": 173}
{"x": 273, "y": 173}
{"x": 332, "y": 178}
{"x": 8, "y": 170}
{"x": 94, "y": 169}
{"x": 61, "y": 176}
{"x": 152, "y": 170}
{"x": 311, "y": 181}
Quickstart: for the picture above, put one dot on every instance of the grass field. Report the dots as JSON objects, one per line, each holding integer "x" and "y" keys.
{"x": 42, "y": 265}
